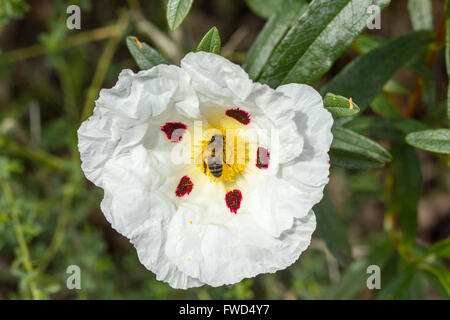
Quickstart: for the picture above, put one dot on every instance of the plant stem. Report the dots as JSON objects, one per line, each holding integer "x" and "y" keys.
{"x": 58, "y": 235}
{"x": 78, "y": 39}
{"x": 102, "y": 66}
{"x": 161, "y": 41}
{"x": 37, "y": 156}
{"x": 67, "y": 85}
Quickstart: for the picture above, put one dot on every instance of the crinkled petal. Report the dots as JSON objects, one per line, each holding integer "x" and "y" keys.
{"x": 127, "y": 113}
{"x": 135, "y": 209}
{"x": 226, "y": 254}
{"x": 309, "y": 172}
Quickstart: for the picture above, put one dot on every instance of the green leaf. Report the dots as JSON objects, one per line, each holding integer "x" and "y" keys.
{"x": 274, "y": 30}
{"x": 375, "y": 127}
{"x": 418, "y": 288}
{"x": 437, "y": 140}
{"x": 419, "y": 66}
{"x": 382, "y": 106}
{"x": 322, "y": 34}
{"x": 365, "y": 43}
{"x": 429, "y": 93}
{"x": 210, "y": 42}
{"x": 385, "y": 129}
{"x": 177, "y": 10}
{"x": 354, "y": 278}
{"x": 407, "y": 125}
{"x": 352, "y": 150}
{"x": 340, "y": 106}
{"x": 421, "y": 14}
{"x": 145, "y": 56}
{"x": 440, "y": 274}
{"x": 406, "y": 188}
{"x": 11, "y": 9}
{"x": 440, "y": 249}
{"x": 447, "y": 55}
{"x": 332, "y": 230}
{"x": 350, "y": 283}
{"x": 393, "y": 86}
{"x": 400, "y": 287}
{"x": 264, "y": 8}
{"x": 364, "y": 77}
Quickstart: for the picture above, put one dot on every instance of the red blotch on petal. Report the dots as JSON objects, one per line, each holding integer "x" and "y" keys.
{"x": 174, "y": 130}
{"x": 262, "y": 158}
{"x": 233, "y": 199}
{"x": 184, "y": 187}
{"x": 239, "y": 115}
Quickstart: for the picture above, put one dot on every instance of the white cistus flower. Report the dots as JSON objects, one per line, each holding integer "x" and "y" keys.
{"x": 211, "y": 176}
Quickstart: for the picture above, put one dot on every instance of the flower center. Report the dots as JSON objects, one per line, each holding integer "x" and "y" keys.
{"x": 220, "y": 156}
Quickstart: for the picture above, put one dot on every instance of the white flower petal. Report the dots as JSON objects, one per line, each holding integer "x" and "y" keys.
{"x": 128, "y": 179}
{"x": 226, "y": 254}
{"x": 215, "y": 77}
{"x": 137, "y": 211}
{"x": 150, "y": 241}
{"x": 312, "y": 119}
{"x": 311, "y": 169}
{"x": 122, "y": 115}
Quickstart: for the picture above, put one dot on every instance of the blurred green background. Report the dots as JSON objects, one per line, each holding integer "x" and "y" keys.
{"x": 50, "y": 214}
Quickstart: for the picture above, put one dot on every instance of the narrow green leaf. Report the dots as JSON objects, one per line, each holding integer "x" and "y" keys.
{"x": 264, "y": 8}
{"x": 340, "y": 106}
{"x": 375, "y": 127}
{"x": 365, "y": 43}
{"x": 323, "y": 33}
{"x": 385, "y": 129}
{"x": 400, "y": 287}
{"x": 419, "y": 66}
{"x": 354, "y": 278}
{"x": 274, "y": 30}
{"x": 406, "y": 188}
{"x": 210, "y": 42}
{"x": 429, "y": 93}
{"x": 145, "y": 56}
{"x": 440, "y": 249}
{"x": 407, "y": 125}
{"x": 447, "y": 55}
{"x": 350, "y": 283}
{"x": 352, "y": 150}
{"x": 396, "y": 87}
{"x": 418, "y": 288}
{"x": 437, "y": 285}
{"x": 177, "y": 10}
{"x": 332, "y": 230}
{"x": 421, "y": 14}
{"x": 364, "y": 77}
{"x": 437, "y": 140}
{"x": 382, "y": 106}
{"x": 440, "y": 274}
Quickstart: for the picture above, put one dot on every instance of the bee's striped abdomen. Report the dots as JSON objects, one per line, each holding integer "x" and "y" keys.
{"x": 215, "y": 166}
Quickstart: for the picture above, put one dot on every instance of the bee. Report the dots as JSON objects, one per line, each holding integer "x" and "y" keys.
{"x": 215, "y": 162}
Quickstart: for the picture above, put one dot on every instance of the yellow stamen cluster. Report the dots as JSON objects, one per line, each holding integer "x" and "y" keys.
{"x": 235, "y": 156}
